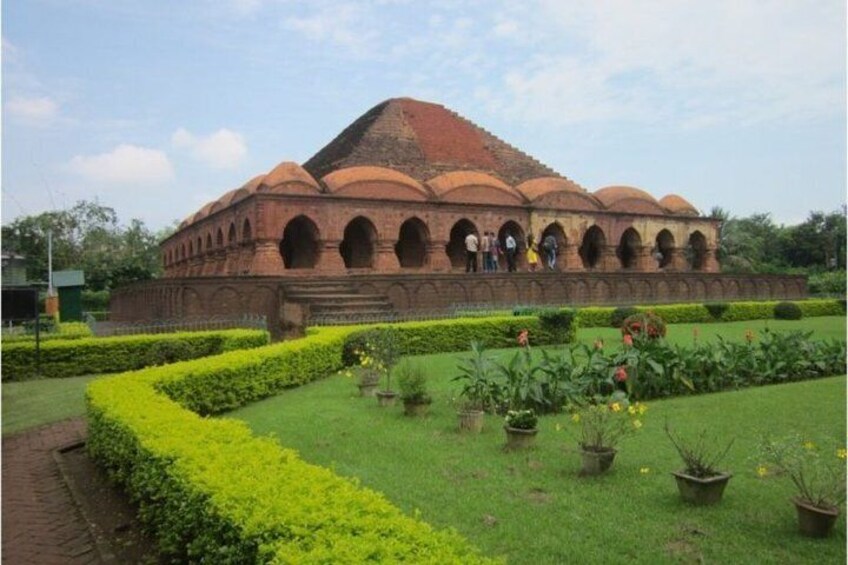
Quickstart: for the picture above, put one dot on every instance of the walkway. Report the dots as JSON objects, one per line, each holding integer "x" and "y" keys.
{"x": 41, "y": 523}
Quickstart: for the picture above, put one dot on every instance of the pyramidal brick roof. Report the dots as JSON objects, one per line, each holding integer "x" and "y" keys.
{"x": 423, "y": 140}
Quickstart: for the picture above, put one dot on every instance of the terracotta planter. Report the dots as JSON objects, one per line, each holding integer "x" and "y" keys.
{"x": 520, "y": 439}
{"x": 596, "y": 461}
{"x": 415, "y": 408}
{"x": 386, "y": 397}
{"x": 701, "y": 492}
{"x": 367, "y": 389}
{"x": 813, "y": 521}
{"x": 471, "y": 421}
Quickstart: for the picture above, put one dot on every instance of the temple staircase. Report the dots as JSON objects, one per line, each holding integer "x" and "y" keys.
{"x": 339, "y": 302}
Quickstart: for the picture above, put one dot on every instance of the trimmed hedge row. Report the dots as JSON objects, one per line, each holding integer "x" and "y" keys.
{"x": 595, "y": 317}
{"x": 89, "y": 356}
{"x": 66, "y": 330}
{"x": 213, "y": 492}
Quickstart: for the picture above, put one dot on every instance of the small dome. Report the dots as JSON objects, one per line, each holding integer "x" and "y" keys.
{"x": 471, "y": 187}
{"x": 375, "y": 182}
{"x": 678, "y": 205}
{"x": 288, "y": 177}
{"x": 203, "y": 212}
{"x": 628, "y": 199}
{"x": 557, "y": 192}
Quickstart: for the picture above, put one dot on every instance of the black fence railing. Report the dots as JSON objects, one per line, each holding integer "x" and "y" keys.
{"x": 109, "y": 328}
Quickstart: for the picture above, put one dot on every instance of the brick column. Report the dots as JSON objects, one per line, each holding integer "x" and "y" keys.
{"x": 385, "y": 259}
{"x": 569, "y": 258}
{"x": 678, "y": 260}
{"x": 195, "y": 266}
{"x": 437, "y": 257}
{"x": 267, "y": 259}
{"x": 245, "y": 258}
{"x": 710, "y": 261}
{"x": 330, "y": 260}
{"x": 231, "y": 260}
{"x": 645, "y": 262}
{"x": 608, "y": 261}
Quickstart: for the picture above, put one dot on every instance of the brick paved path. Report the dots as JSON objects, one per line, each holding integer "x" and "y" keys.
{"x": 41, "y": 524}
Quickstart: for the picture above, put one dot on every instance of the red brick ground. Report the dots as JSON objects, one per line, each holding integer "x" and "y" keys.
{"x": 41, "y": 524}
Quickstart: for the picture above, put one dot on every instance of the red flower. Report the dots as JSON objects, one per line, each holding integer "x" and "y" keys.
{"x": 628, "y": 340}
{"x": 523, "y": 340}
{"x": 621, "y": 373}
{"x": 635, "y": 326}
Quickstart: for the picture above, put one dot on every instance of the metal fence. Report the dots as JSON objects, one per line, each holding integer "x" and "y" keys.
{"x": 103, "y": 328}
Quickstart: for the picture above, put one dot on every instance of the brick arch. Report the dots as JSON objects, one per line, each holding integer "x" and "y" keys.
{"x": 716, "y": 290}
{"x": 246, "y": 231}
{"x": 629, "y": 246}
{"x": 359, "y": 245}
{"x": 482, "y": 292}
{"x": 219, "y": 238}
{"x": 299, "y": 246}
{"x": 697, "y": 246}
{"x": 510, "y": 293}
{"x": 698, "y": 290}
{"x": 426, "y": 295}
{"x": 231, "y": 234}
{"x": 225, "y": 300}
{"x": 457, "y": 293}
{"x": 261, "y": 300}
{"x": 601, "y": 291}
{"x": 455, "y": 248}
{"x": 733, "y": 290}
{"x": 411, "y": 247}
{"x": 592, "y": 247}
{"x": 192, "y": 303}
{"x": 518, "y": 233}
{"x": 208, "y": 242}
{"x": 664, "y": 245}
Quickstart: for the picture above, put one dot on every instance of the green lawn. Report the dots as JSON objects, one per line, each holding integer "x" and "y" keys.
{"x": 32, "y": 403}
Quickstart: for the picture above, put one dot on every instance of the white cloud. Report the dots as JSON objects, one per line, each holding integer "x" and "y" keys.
{"x": 345, "y": 25}
{"x": 10, "y": 51}
{"x": 224, "y": 149}
{"x": 245, "y": 7}
{"x": 126, "y": 163}
{"x": 39, "y": 110}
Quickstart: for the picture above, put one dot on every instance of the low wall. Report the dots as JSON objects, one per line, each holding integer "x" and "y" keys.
{"x": 229, "y": 296}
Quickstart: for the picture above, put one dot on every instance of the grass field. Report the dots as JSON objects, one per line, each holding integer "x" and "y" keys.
{"x": 533, "y": 508}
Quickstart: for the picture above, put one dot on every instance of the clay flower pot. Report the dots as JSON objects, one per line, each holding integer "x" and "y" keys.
{"x": 415, "y": 408}
{"x": 367, "y": 389}
{"x": 813, "y": 521}
{"x": 701, "y": 492}
{"x": 471, "y": 421}
{"x": 596, "y": 461}
{"x": 386, "y": 397}
{"x": 520, "y": 439}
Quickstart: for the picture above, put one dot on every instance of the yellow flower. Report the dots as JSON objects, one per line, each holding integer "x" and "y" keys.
{"x": 631, "y": 410}
{"x": 809, "y": 445}
{"x": 637, "y": 424}
{"x": 645, "y": 470}
{"x": 616, "y": 407}
{"x": 762, "y": 471}
{"x": 575, "y": 417}
{"x": 841, "y": 453}
{"x": 641, "y": 408}
{"x": 558, "y": 427}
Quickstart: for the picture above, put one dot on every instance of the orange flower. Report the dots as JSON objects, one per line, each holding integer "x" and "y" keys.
{"x": 628, "y": 340}
{"x": 523, "y": 340}
{"x": 621, "y": 374}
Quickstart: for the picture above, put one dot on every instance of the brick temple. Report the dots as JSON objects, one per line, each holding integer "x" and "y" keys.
{"x": 389, "y": 202}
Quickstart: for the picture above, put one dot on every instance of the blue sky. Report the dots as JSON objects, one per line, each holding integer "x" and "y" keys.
{"x": 155, "y": 107}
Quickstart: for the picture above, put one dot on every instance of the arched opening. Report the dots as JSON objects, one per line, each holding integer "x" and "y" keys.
{"x": 190, "y": 249}
{"x": 199, "y": 245}
{"x": 245, "y": 230}
{"x": 357, "y": 247}
{"x": 697, "y": 251}
{"x": 208, "y": 242}
{"x": 628, "y": 249}
{"x": 182, "y": 251}
{"x": 664, "y": 249}
{"x": 219, "y": 239}
{"x": 558, "y": 234}
{"x": 592, "y": 247}
{"x": 411, "y": 248}
{"x": 231, "y": 234}
{"x": 456, "y": 244}
{"x": 517, "y": 232}
{"x": 299, "y": 246}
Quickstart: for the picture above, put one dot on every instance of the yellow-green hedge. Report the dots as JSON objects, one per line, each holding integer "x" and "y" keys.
{"x": 66, "y": 330}
{"x": 88, "y": 356}
{"x": 212, "y": 492}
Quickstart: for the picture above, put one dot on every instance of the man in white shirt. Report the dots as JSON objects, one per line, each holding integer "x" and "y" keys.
{"x": 471, "y": 247}
{"x": 510, "y": 246}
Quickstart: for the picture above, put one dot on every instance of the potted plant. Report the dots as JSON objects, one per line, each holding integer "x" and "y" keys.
{"x": 412, "y": 382}
{"x": 520, "y": 427}
{"x": 699, "y": 482}
{"x": 602, "y": 424}
{"x": 818, "y": 476}
{"x": 382, "y": 347}
{"x": 475, "y": 375}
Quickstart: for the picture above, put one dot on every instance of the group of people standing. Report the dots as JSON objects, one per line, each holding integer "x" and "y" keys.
{"x": 490, "y": 248}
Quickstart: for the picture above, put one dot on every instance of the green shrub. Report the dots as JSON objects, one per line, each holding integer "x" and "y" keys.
{"x": 822, "y": 307}
{"x": 787, "y": 311}
{"x": 832, "y": 282}
{"x": 594, "y": 317}
{"x": 716, "y": 309}
{"x": 89, "y": 356}
{"x": 412, "y": 382}
{"x": 560, "y": 324}
{"x": 64, "y": 330}
{"x": 95, "y": 300}
{"x": 620, "y": 314}
{"x": 739, "y": 311}
{"x": 212, "y": 492}
{"x": 679, "y": 313}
